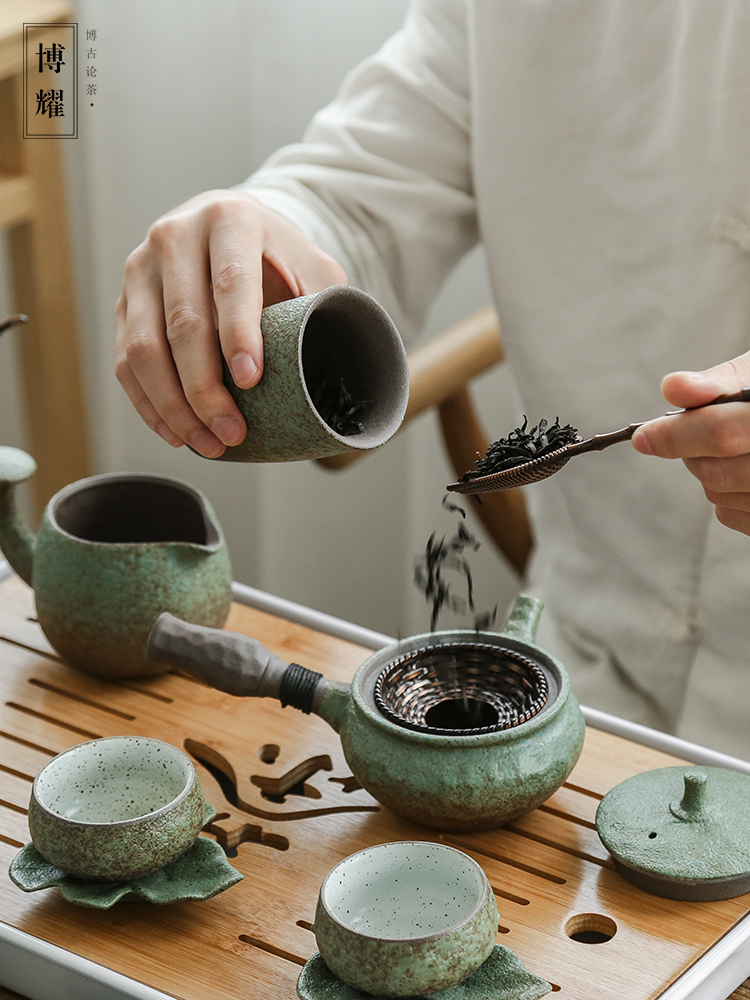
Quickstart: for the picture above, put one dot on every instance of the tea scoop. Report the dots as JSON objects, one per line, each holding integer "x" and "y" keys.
{"x": 533, "y": 470}
{"x": 680, "y": 832}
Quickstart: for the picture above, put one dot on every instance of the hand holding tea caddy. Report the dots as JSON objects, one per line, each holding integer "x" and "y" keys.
{"x": 309, "y": 375}
{"x": 169, "y": 359}
{"x": 214, "y": 261}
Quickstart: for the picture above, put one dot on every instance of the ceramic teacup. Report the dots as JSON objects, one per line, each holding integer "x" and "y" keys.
{"x": 335, "y": 379}
{"x": 116, "y": 808}
{"x": 405, "y": 919}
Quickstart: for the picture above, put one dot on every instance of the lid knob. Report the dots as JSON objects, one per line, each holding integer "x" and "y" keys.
{"x": 692, "y": 806}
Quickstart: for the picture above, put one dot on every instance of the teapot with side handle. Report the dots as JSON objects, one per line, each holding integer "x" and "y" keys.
{"x": 114, "y": 551}
{"x": 456, "y": 730}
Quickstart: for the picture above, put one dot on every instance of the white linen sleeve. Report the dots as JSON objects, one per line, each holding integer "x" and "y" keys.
{"x": 382, "y": 179}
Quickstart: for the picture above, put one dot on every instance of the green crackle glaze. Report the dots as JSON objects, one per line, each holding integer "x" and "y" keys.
{"x": 502, "y": 977}
{"x": 459, "y": 783}
{"x": 449, "y": 780}
{"x": 523, "y": 620}
{"x": 111, "y": 554}
{"x": 202, "y": 872}
{"x": 405, "y": 918}
{"x": 463, "y": 783}
{"x": 681, "y": 832}
{"x": 303, "y": 338}
{"x": 116, "y": 808}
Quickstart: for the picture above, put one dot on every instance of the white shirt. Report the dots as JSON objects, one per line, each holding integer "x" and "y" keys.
{"x": 601, "y": 151}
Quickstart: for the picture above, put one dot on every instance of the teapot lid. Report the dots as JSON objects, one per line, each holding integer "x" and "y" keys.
{"x": 680, "y": 832}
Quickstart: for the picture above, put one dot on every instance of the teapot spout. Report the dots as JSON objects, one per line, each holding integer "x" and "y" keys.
{"x": 523, "y": 620}
{"x": 16, "y": 541}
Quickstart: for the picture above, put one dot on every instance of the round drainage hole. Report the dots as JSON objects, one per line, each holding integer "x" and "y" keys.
{"x": 591, "y": 928}
{"x": 461, "y": 713}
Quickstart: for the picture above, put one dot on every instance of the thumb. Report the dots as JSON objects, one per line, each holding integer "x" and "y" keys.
{"x": 688, "y": 389}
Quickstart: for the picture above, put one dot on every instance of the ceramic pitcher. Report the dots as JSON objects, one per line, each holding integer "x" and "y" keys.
{"x": 112, "y": 552}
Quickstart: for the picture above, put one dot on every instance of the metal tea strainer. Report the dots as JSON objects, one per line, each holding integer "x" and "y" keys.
{"x": 536, "y": 469}
{"x": 461, "y": 689}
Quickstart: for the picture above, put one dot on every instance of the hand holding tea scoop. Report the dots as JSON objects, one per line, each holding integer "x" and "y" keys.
{"x": 528, "y": 457}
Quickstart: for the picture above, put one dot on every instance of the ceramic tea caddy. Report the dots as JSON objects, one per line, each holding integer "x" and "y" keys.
{"x": 112, "y": 552}
{"x": 335, "y": 379}
{"x": 456, "y": 730}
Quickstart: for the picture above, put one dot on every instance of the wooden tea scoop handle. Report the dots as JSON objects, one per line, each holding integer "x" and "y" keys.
{"x": 533, "y": 470}
{"x": 601, "y": 441}
{"x": 237, "y": 664}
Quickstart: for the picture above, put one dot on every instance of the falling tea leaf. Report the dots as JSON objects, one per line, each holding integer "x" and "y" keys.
{"x": 450, "y": 556}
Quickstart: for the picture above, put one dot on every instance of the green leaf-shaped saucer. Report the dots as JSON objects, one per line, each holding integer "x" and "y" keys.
{"x": 503, "y": 976}
{"x": 200, "y": 873}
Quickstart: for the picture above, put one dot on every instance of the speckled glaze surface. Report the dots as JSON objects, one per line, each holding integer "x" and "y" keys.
{"x": 115, "y": 809}
{"x": 405, "y": 919}
{"x": 299, "y": 335}
{"x": 501, "y": 977}
{"x": 460, "y": 783}
{"x": 680, "y": 832}
{"x": 202, "y": 872}
{"x": 99, "y": 589}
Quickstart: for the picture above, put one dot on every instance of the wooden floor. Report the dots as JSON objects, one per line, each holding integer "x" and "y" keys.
{"x": 294, "y": 811}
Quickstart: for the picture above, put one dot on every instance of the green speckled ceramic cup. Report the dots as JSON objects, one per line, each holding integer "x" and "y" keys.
{"x": 405, "y": 919}
{"x": 114, "y": 809}
{"x": 335, "y": 379}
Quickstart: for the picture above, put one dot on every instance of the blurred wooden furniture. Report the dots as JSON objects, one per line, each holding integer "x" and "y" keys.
{"x": 440, "y": 374}
{"x": 33, "y": 213}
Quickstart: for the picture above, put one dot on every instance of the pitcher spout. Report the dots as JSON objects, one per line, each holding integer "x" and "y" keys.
{"x": 16, "y": 541}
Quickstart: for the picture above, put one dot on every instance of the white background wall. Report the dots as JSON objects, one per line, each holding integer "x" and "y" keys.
{"x": 192, "y": 95}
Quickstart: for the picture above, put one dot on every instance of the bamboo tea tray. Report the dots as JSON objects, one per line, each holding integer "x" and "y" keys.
{"x": 292, "y": 811}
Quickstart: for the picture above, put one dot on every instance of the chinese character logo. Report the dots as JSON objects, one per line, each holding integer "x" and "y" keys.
{"x": 50, "y": 80}
{"x": 52, "y": 57}
{"x": 50, "y": 102}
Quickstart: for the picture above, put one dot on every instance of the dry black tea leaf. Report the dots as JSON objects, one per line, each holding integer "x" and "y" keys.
{"x": 523, "y": 445}
{"x": 449, "y": 556}
{"x": 338, "y": 406}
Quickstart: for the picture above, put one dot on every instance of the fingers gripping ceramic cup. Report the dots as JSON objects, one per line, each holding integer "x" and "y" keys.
{"x": 405, "y": 919}
{"x": 116, "y": 808}
{"x": 335, "y": 379}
